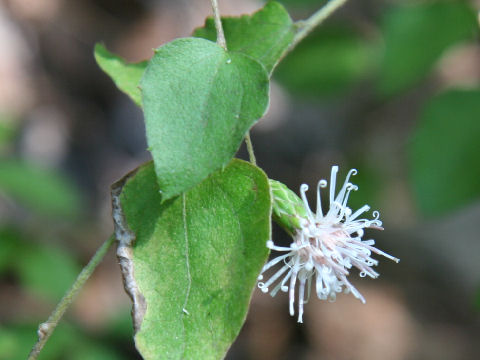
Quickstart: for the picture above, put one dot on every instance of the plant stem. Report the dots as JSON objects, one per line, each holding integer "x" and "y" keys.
{"x": 218, "y": 25}
{"x": 46, "y": 329}
{"x": 221, "y": 41}
{"x": 251, "y": 154}
{"x": 305, "y": 27}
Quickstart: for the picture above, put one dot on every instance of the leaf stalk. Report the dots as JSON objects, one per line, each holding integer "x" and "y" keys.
{"x": 251, "y": 153}
{"x": 218, "y": 25}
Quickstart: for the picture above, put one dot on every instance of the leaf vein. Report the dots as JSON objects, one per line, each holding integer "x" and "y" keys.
{"x": 189, "y": 277}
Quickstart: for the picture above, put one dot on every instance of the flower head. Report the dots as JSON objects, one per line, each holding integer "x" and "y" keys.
{"x": 326, "y": 245}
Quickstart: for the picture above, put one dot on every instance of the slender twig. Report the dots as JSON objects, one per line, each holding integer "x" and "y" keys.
{"x": 251, "y": 154}
{"x": 46, "y": 329}
{"x": 305, "y": 27}
{"x": 221, "y": 41}
{"x": 218, "y": 25}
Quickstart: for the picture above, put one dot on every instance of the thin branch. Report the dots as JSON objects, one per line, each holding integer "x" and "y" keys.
{"x": 305, "y": 27}
{"x": 221, "y": 41}
{"x": 251, "y": 154}
{"x": 218, "y": 25}
{"x": 316, "y": 19}
{"x": 46, "y": 329}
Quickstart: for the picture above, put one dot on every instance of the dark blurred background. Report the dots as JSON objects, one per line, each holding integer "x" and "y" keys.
{"x": 391, "y": 88}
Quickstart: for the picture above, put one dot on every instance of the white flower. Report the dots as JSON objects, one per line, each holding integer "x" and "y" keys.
{"x": 325, "y": 248}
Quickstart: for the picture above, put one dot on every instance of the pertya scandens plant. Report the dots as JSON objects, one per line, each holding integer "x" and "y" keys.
{"x": 326, "y": 245}
{"x": 189, "y": 254}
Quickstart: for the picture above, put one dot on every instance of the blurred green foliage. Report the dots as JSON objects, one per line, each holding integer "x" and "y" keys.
{"x": 68, "y": 342}
{"x": 7, "y": 131}
{"x": 328, "y": 62}
{"x": 46, "y": 270}
{"x": 42, "y": 269}
{"x": 477, "y": 299}
{"x": 42, "y": 190}
{"x": 445, "y": 152}
{"x": 415, "y": 35}
{"x": 369, "y": 184}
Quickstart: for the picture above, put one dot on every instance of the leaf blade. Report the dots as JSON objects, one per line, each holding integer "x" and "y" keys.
{"x": 126, "y": 76}
{"x": 199, "y": 102}
{"x": 264, "y": 35}
{"x": 197, "y": 304}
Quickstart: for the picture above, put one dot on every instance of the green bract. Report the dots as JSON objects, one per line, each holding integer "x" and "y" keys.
{"x": 287, "y": 207}
{"x": 199, "y": 102}
{"x": 196, "y": 259}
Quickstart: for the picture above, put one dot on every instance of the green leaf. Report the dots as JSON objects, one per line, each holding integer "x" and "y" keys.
{"x": 328, "y": 62}
{"x": 264, "y": 35}
{"x": 199, "y": 102}
{"x": 196, "y": 259}
{"x": 125, "y": 75}
{"x": 444, "y": 154}
{"x": 416, "y": 36}
{"x": 41, "y": 190}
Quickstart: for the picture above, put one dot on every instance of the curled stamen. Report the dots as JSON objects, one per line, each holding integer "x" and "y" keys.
{"x": 279, "y": 273}
{"x": 321, "y": 184}
{"x": 333, "y": 179}
{"x": 359, "y": 212}
{"x": 346, "y": 184}
{"x": 291, "y": 294}
{"x": 303, "y": 190}
{"x": 272, "y": 246}
{"x": 300, "y": 299}
{"x": 349, "y": 188}
{"x": 273, "y": 263}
